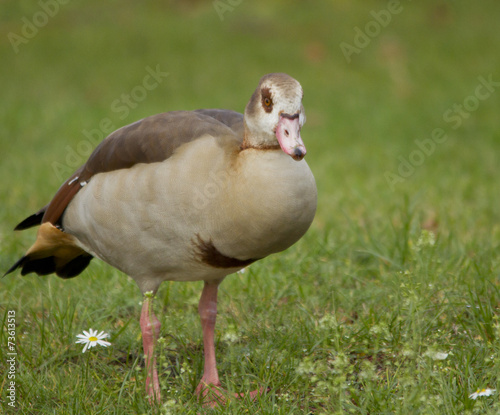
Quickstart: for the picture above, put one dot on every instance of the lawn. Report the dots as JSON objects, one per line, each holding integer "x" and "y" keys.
{"x": 389, "y": 304}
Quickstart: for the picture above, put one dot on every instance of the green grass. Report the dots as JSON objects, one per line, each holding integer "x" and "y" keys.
{"x": 347, "y": 321}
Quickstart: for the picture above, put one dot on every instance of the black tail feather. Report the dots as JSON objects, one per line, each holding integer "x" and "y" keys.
{"x": 75, "y": 266}
{"x": 45, "y": 266}
{"x": 42, "y": 266}
{"x": 30, "y": 221}
{"x": 16, "y": 266}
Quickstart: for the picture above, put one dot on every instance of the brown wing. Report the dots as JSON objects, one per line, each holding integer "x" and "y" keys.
{"x": 150, "y": 140}
{"x": 232, "y": 119}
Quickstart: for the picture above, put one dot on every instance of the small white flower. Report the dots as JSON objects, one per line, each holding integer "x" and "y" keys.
{"x": 91, "y": 338}
{"x": 230, "y": 337}
{"x": 436, "y": 355}
{"x": 482, "y": 392}
{"x": 426, "y": 239}
{"x": 328, "y": 321}
{"x": 440, "y": 356}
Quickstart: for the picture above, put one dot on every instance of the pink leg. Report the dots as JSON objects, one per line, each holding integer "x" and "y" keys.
{"x": 208, "y": 315}
{"x": 150, "y": 327}
{"x": 210, "y": 383}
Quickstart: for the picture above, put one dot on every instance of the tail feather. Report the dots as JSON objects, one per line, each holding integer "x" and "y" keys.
{"x": 17, "y": 265}
{"x": 42, "y": 266}
{"x": 33, "y": 220}
{"x": 74, "y": 267}
{"x": 54, "y": 251}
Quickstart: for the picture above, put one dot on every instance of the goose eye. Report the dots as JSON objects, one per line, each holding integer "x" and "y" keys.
{"x": 267, "y": 101}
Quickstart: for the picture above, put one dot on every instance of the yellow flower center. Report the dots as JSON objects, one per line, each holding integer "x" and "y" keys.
{"x": 92, "y": 339}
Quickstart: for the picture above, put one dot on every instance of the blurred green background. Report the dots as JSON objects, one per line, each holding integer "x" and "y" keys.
{"x": 362, "y": 115}
{"x": 415, "y": 67}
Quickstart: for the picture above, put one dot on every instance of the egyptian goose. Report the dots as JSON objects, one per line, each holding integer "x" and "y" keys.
{"x": 184, "y": 196}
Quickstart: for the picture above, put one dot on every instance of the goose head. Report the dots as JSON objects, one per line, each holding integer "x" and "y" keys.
{"x": 275, "y": 114}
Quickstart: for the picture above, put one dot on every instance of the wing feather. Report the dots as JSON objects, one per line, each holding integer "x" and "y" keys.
{"x": 153, "y": 139}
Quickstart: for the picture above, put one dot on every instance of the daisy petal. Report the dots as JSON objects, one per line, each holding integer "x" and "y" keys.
{"x": 482, "y": 392}
{"x": 92, "y": 338}
{"x": 82, "y": 336}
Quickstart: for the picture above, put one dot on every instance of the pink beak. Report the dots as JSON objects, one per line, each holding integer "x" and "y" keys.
{"x": 288, "y": 135}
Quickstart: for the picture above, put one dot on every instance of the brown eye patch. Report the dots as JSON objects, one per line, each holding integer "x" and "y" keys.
{"x": 267, "y": 101}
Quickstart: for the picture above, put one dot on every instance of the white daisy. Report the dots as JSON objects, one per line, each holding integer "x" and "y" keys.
{"x": 91, "y": 338}
{"x": 436, "y": 355}
{"x": 482, "y": 392}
